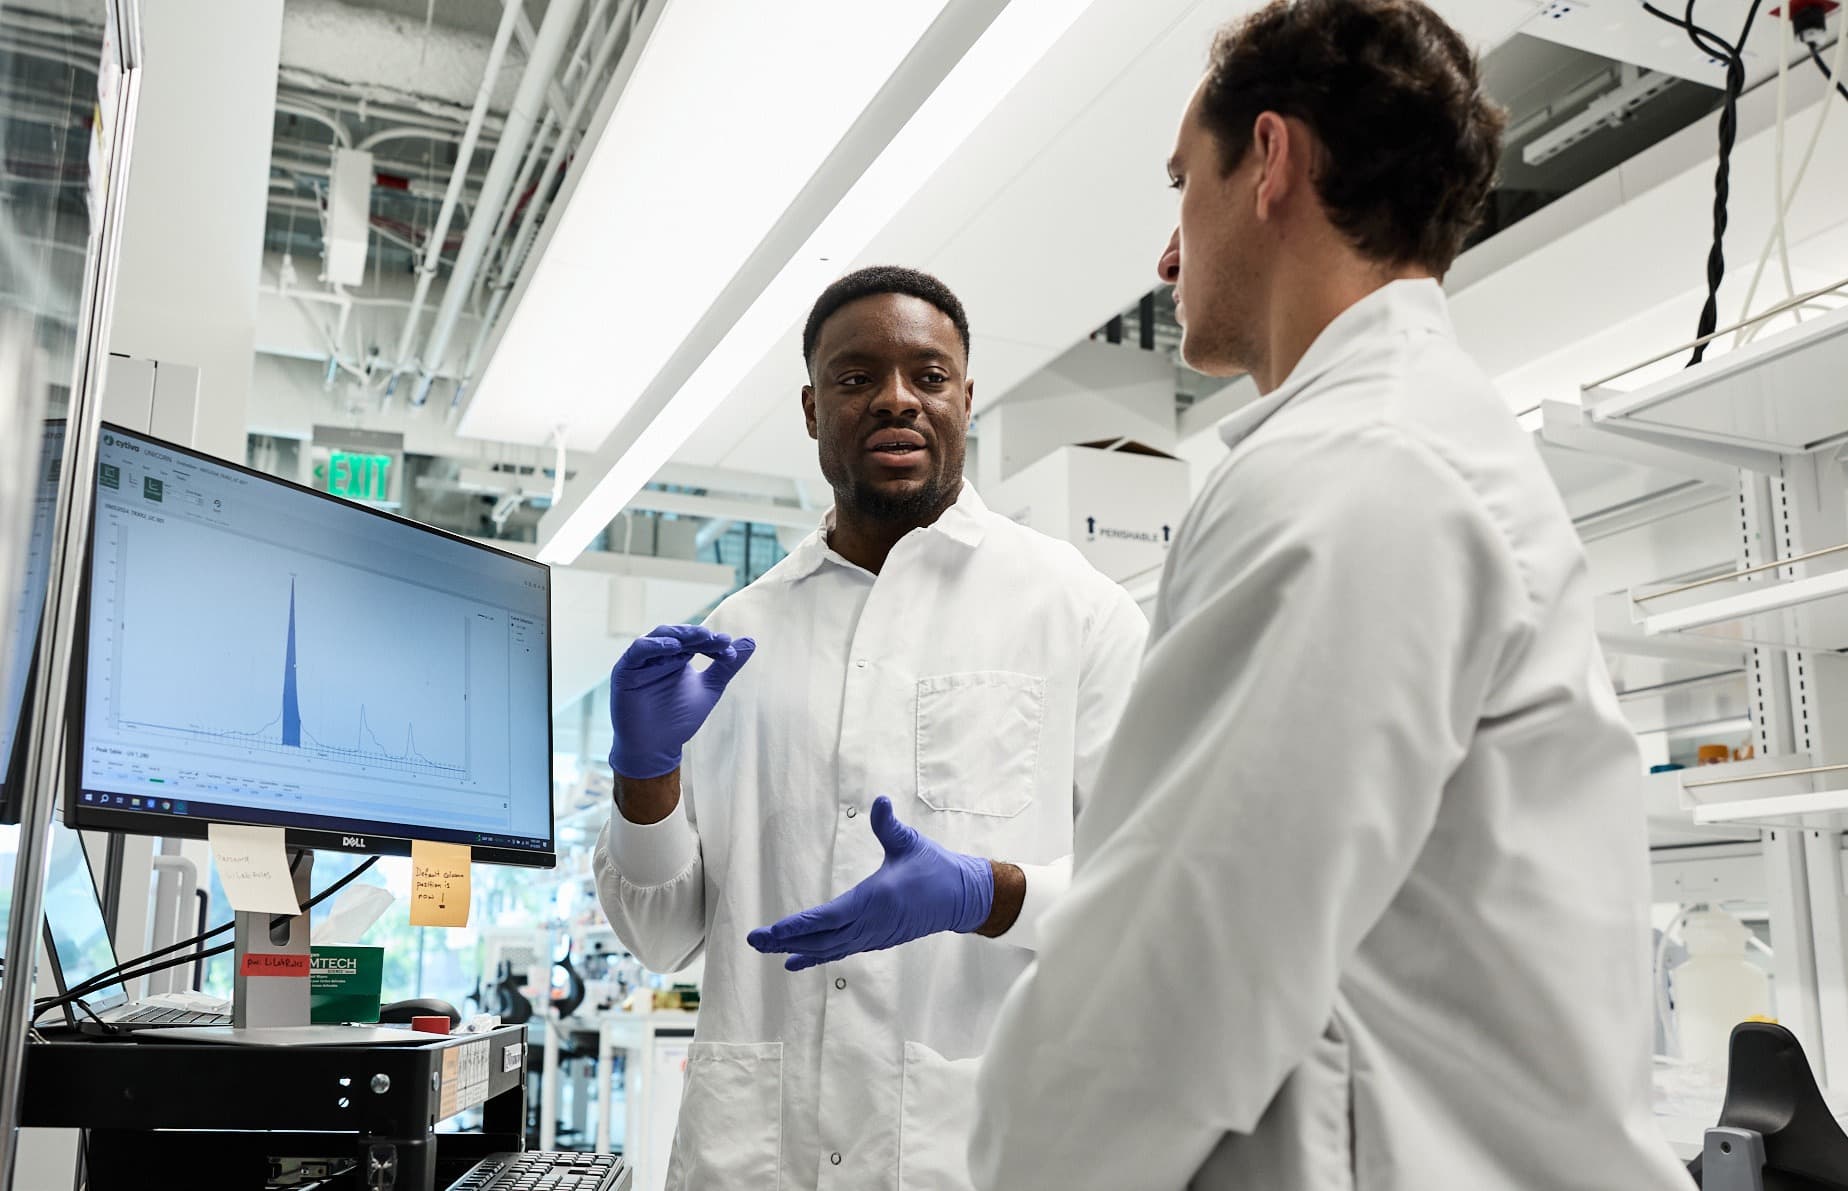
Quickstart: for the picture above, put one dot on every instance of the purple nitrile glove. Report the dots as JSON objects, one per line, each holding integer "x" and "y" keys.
{"x": 658, "y": 700}
{"x": 922, "y": 888}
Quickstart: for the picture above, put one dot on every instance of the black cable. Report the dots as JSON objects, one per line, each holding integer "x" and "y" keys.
{"x": 93, "y": 1016}
{"x": 1722, "y": 187}
{"x": 119, "y": 973}
{"x": 77, "y": 994}
{"x": 1714, "y": 46}
{"x": 1709, "y": 42}
{"x": 1815, "y": 53}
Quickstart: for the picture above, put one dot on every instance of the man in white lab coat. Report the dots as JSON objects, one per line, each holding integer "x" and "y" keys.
{"x": 929, "y": 689}
{"x": 1359, "y": 896}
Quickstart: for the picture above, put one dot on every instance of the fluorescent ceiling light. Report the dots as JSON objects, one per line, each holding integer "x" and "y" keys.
{"x": 1007, "y": 50}
{"x": 730, "y": 109}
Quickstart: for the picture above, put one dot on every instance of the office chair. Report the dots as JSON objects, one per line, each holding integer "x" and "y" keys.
{"x": 1776, "y": 1132}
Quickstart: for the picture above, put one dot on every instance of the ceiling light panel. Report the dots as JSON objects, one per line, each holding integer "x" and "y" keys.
{"x": 730, "y": 110}
{"x": 1012, "y": 45}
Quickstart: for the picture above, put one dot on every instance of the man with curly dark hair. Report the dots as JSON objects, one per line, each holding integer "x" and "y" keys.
{"x": 1359, "y": 898}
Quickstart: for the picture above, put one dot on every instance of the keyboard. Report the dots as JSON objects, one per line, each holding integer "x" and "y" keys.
{"x": 167, "y": 1015}
{"x": 546, "y": 1170}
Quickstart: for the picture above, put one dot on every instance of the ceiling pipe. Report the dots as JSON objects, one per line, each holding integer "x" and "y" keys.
{"x": 529, "y": 41}
{"x": 534, "y": 152}
{"x": 415, "y": 181}
{"x": 373, "y": 110}
{"x": 389, "y": 101}
{"x": 580, "y": 57}
{"x": 341, "y": 136}
{"x": 548, "y": 50}
{"x": 446, "y": 135}
{"x": 433, "y": 247}
{"x": 553, "y": 115}
{"x": 617, "y": 36}
{"x": 522, "y": 186}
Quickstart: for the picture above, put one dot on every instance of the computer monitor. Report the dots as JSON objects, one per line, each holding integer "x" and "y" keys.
{"x": 253, "y": 651}
{"x": 22, "y": 629}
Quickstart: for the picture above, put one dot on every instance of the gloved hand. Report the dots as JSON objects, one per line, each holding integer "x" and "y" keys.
{"x": 922, "y": 888}
{"x": 658, "y": 701}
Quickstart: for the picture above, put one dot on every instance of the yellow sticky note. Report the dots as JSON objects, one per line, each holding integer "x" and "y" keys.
{"x": 439, "y": 884}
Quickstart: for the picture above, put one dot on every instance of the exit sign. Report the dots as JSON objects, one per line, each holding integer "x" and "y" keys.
{"x": 357, "y": 476}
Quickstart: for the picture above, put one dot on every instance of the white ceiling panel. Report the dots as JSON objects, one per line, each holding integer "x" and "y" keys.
{"x": 1049, "y": 219}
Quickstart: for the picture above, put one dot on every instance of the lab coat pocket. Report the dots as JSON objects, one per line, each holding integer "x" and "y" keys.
{"x": 936, "y": 1118}
{"x": 731, "y": 1118}
{"x": 978, "y": 741}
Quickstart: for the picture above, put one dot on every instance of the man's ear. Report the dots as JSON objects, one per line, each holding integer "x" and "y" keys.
{"x": 808, "y": 410}
{"x": 1276, "y": 148}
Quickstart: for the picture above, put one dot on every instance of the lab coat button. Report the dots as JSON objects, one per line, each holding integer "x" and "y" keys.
{"x": 835, "y": 1158}
{"x": 840, "y": 982}
{"x": 852, "y": 811}
{"x": 860, "y": 662}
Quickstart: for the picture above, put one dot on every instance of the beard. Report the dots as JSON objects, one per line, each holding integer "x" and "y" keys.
{"x": 919, "y": 504}
{"x": 914, "y": 507}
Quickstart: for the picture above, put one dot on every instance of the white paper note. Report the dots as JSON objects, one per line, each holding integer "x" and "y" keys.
{"x": 253, "y": 866}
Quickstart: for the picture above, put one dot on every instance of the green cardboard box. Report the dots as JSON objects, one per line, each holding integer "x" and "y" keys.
{"x": 344, "y": 984}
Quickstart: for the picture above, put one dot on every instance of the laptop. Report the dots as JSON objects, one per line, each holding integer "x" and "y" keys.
{"x": 79, "y": 946}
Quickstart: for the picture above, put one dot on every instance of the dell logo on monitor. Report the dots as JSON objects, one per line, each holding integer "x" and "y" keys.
{"x": 352, "y": 841}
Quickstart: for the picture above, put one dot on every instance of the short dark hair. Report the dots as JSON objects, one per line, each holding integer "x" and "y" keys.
{"x": 882, "y": 279}
{"x": 1395, "y": 96}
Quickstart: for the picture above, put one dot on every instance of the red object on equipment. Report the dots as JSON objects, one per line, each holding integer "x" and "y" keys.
{"x": 431, "y": 1025}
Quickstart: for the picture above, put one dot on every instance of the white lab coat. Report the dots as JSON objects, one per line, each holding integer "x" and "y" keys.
{"x": 1360, "y": 895}
{"x": 976, "y": 681}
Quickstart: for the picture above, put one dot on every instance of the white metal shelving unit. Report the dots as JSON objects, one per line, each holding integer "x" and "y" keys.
{"x": 1767, "y": 424}
{"x": 1783, "y": 395}
{"x": 1785, "y": 791}
{"x": 1755, "y": 606}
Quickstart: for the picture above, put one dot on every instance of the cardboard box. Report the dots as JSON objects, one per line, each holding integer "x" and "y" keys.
{"x": 1119, "y": 503}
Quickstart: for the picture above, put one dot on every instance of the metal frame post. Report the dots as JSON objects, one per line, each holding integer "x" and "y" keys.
{"x": 1808, "y": 513}
{"x": 1790, "y": 890}
{"x": 43, "y": 774}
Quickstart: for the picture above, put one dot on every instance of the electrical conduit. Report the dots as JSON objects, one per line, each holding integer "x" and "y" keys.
{"x": 548, "y": 51}
{"x": 433, "y": 246}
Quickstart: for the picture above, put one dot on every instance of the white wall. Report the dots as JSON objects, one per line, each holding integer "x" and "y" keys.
{"x": 193, "y": 236}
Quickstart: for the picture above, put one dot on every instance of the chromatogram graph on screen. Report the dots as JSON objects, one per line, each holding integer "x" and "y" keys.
{"x": 321, "y": 662}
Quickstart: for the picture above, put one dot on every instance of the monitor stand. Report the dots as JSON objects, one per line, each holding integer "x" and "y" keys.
{"x": 270, "y": 974}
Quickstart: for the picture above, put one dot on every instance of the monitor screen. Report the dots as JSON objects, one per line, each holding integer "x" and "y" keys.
{"x": 258, "y": 652}
{"x": 22, "y": 628}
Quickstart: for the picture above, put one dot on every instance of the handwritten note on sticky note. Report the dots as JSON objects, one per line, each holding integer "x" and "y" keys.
{"x": 439, "y": 884}
{"x": 253, "y": 866}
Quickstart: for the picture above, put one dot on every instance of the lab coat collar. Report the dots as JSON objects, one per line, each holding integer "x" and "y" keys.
{"x": 1411, "y": 305}
{"x": 961, "y": 523}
